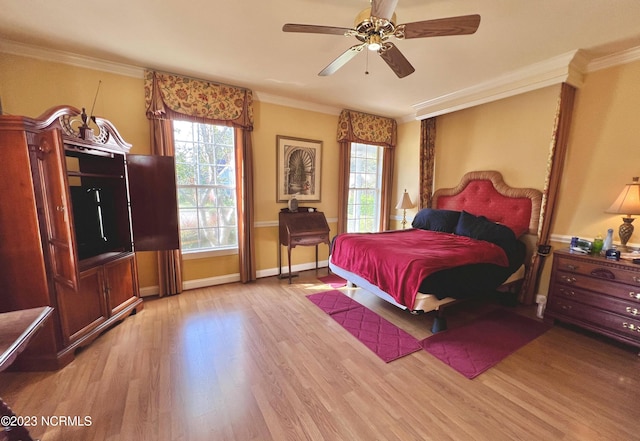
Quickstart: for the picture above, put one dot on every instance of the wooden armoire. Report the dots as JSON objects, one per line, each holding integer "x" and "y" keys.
{"x": 70, "y": 224}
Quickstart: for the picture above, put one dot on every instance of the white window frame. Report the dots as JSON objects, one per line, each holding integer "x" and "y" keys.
{"x": 199, "y": 253}
{"x": 361, "y": 181}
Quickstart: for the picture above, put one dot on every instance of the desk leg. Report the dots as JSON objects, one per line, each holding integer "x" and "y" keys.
{"x": 316, "y": 257}
{"x": 279, "y": 261}
{"x": 14, "y": 432}
{"x": 289, "y": 261}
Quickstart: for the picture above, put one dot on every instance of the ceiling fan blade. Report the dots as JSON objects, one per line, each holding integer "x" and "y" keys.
{"x": 314, "y": 29}
{"x": 396, "y": 61}
{"x": 383, "y": 8}
{"x": 462, "y": 25}
{"x": 342, "y": 60}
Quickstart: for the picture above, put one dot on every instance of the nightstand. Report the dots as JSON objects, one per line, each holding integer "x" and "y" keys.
{"x": 597, "y": 294}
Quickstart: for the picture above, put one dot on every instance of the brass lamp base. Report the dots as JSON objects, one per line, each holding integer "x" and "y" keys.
{"x": 626, "y": 230}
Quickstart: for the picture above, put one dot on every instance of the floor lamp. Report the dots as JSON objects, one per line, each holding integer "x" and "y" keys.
{"x": 404, "y": 204}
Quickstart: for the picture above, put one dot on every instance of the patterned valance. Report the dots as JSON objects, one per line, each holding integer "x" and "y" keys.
{"x": 367, "y": 129}
{"x": 170, "y": 96}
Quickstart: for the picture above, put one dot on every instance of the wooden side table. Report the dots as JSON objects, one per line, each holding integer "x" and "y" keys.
{"x": 16, "y": 330}
{"x": 302, "y": 227}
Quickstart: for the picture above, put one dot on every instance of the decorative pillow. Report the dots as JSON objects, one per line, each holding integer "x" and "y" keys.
{"x": 436, "y": 220}
{"x": 479, "y": 227}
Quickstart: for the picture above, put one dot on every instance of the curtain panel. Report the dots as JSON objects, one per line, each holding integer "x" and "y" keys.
{"x": 168, "y": 97}
{"x": 427, "y": 160}
{"x": 365, "y": 129}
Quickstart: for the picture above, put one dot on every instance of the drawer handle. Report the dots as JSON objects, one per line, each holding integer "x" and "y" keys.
{"x": 636, "y": 279}
{"x": 632, "y": 311}
{"x": 634, "y": 295}
{"x": 631, "y": 327}
{"x": 567, "y": 292}
{"x": 572, "y": 267}
{"x": 568, "y": 279}
{"x": 566, "y": 307}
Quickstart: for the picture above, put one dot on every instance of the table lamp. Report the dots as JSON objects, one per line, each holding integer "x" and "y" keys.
{"x": 404, "y": 204}
{"x": 627, "y": 203}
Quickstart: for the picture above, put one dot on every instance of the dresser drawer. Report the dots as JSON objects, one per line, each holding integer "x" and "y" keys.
{"x": 630, "y": 309}
{"x": 598, "y": 319}
{"x": 604, "y": 270}
{"x": 575, "y": 280}
{"x": 312, "y": 240}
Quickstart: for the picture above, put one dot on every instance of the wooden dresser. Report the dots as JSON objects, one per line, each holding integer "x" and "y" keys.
{"x": 302, "y": 227}
{"x": 597, "y": 294}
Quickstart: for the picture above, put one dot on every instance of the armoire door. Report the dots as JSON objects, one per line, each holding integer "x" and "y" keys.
{"x": 58, "y": 219}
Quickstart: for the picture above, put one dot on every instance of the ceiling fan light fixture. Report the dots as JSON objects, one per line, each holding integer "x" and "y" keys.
{"x": 374, "y": 42}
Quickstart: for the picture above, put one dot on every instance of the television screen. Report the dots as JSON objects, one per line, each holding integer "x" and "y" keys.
{"x": 94, "y": 220}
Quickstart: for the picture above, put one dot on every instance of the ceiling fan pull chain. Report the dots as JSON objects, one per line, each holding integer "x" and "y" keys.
{"x": 366, "y": 71}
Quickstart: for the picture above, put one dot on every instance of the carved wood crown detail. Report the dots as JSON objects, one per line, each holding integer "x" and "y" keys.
{"x": 76, "y": 127}
{"x": 79, "y": 128}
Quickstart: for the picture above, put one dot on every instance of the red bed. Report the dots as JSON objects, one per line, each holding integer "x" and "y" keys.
{"x": 468, "y": 245}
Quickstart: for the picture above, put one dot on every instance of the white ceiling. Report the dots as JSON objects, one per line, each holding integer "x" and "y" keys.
{"x": 241, "y": 42}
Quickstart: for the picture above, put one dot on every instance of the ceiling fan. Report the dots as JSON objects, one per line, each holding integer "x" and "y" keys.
{"x": 375, "y": 25}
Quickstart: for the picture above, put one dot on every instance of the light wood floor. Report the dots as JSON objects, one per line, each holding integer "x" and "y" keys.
{"x": 261, "y": 362}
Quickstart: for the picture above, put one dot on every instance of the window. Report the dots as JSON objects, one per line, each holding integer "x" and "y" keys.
{"x": 365, "y": 178}
{"x": 206, "y": 181}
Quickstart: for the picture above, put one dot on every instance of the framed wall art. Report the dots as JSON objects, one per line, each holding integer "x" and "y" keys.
{"x": 299, "y": 163}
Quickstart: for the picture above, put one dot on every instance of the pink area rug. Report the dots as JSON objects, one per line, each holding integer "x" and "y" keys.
{"x": 385, "y": 339}
{"x": 333, "y": 281}
{"x": 475, "y": 347}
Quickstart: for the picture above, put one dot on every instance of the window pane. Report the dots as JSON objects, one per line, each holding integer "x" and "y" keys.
{"x": 188, "y": 219}
{"x": 363, "y": 204}
{"x": 208, "y": 217}
{"x": 205, "y": 169}
{"x": 187, "y": 197}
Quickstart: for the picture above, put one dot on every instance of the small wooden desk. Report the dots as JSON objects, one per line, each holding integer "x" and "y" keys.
{"x": 16, "y": 329}
{"x": 302, "y": 227}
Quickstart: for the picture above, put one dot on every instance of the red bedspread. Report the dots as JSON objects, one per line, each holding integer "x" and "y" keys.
{"x": 398, "y": 261}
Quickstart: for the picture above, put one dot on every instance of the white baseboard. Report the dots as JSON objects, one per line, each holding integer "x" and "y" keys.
{"x": 149, "y": 291}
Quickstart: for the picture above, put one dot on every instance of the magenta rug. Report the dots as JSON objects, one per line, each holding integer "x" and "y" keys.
{"x": 473, "y": 348}
{"x": 384, "y": 338}
{"x": 333, "y": 281}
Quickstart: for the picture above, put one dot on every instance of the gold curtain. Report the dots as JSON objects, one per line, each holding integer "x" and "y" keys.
{"x": 366, "y": 129}
{"x": 555, "y": 166}
{"x": 168, "y": 97}
{"x": 427, "y": 160}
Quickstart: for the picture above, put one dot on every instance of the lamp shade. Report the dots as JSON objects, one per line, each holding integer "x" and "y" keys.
{"x": 629, "y": 200}
{"x": 405, "y": 203}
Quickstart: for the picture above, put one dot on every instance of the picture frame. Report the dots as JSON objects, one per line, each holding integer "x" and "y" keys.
{"x": 299, "y": 169}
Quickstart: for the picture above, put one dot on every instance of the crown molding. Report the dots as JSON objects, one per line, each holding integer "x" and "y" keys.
{"x": 26, "y": 50}
{"x": 622, "y": 57}
{"x": 567, "y": 68}
{"x": 296, "y": 104}
{"x": 536, "y": 76}
{"x": 570, "y": 68}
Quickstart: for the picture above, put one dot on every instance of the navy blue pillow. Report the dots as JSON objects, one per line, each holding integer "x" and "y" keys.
{"x": 436, "y": 220}
{"x": 479, "y": 227}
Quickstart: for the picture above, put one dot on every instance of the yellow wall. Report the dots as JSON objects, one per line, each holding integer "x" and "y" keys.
{"x": 511, "y": 135}
{"x": 272, "y": 120}
{"x": 29, "y": 87}
{"x": 603, "y": 152}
